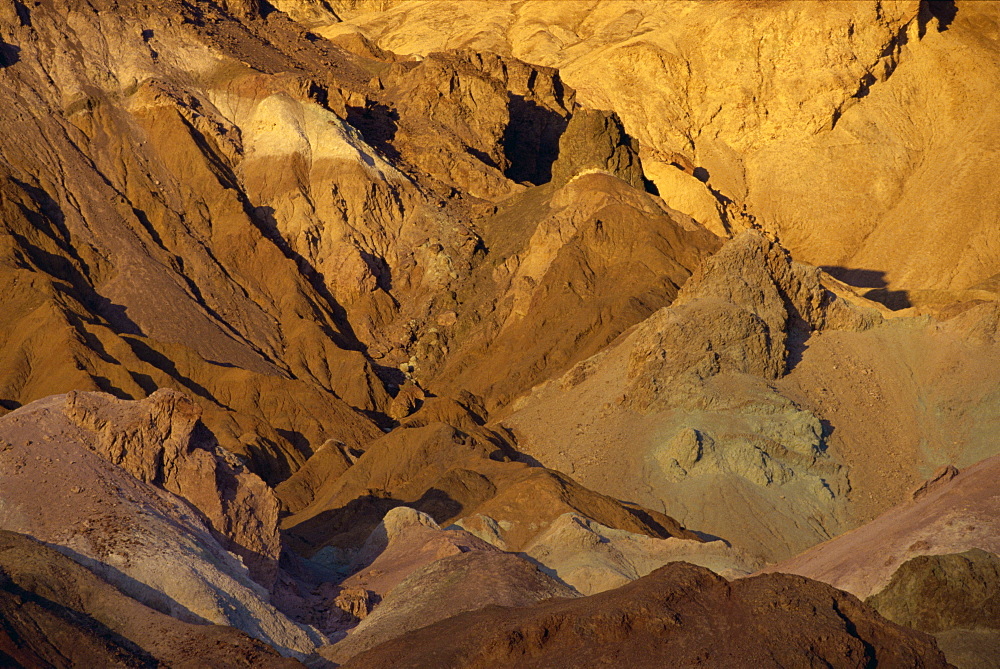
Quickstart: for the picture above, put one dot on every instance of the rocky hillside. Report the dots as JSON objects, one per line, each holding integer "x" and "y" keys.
{"x": 437, "y": 332}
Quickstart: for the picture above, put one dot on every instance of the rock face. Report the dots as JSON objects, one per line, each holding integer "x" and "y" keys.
{"x": 595, "y": 140}
{"x": 729, "y": 92}
{"x": 955, "y": 597}
{"x": 676, "y": 616}
{"x": 159, "y": 440}
{"x": 166, "y": 550}
{"x": 57, "y": 613}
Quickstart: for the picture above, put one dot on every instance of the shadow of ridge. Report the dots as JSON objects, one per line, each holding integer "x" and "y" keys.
{"x": 875, "y": 281}
{"x": 944, "y": 11}
{"x": 9, "y": 54}
{"x": 531, "y": 140}
{"x": 76, "y": 619}
{"x": 548, "y": 571}
{"x": 348, "y": 527}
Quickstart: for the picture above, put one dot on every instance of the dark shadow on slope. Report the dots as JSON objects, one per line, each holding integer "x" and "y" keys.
{"x": 377, "y": 124}
{"x": 531, "y": 140}
{"x": 49, "y": 219}
{"x": 942, "y": 10}
{"x": 874, "y": 280}
{"x": 72, "y": 619}
{"x": 350, "y": 525}
{"x": 151, "y": 356}
{"x": 9, "y": 54}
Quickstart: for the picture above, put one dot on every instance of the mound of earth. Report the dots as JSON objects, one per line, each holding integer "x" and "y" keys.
{"x": 593, "y": 558}
{"x": 679, "y": 615}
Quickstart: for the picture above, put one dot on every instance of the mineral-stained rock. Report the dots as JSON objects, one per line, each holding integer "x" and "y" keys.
{"x": 160, "y": 441}
{"x": 56, "y": 613}
{"x": 807, "y": 116}
{"x": 679, "y": 615}
{"x": 172, "y": 554}
{"x": 953, "y": 517}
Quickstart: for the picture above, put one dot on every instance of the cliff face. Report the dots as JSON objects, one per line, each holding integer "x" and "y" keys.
{"x": 813, "y": 119}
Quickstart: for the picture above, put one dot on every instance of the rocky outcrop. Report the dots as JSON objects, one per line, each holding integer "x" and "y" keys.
{"x": 936, "y": 593}
{"x": 595, "y": 141}
{"x": 57, "y": 613}
{"x": 160, "y": 441}
{"x": 676, "y": 616}
{"x": 955, "y": 597}
{"x": 171, "y": 553}
{"x": 763, "y": 383}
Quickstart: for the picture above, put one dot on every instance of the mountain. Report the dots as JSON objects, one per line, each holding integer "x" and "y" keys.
{"x": 427, "y": 332}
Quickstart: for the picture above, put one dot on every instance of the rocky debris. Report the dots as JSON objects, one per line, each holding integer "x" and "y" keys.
{"x": 243, "y": 9}
{"x": 466, "y": 581}
{"x": 357, "y": 603}
{"x": 57, "y": 613}
{"x": 677, "y": 616}
{"x": 593, "y": 558}
{"x": 756, "y": 298}
{"x": 955, "y": 597}
{"x": 61, "y": 487}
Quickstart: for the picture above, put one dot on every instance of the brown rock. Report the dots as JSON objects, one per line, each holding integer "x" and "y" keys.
{"x": 943, "y": 474}
{"x": 466, "y": 581}
{"x": 677, "y": 616}
{"x": 160, "y": 441}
